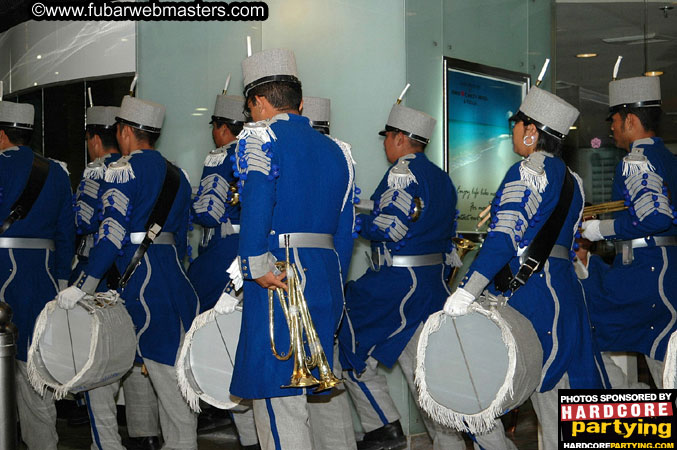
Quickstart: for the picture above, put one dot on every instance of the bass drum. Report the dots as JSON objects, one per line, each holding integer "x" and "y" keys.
{"x": 474, "y": 368}
{"x": 206, "y": 359}
{"x": 76, "y": 350}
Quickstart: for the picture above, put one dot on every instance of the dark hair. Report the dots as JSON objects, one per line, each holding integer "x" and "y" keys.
{"x": 650, "y": 117}
{"x": 18, "y": 136}
{"x": 107, "y": 135}
{"x": 546, "y": 142}
{"x": 234, "y": 128}
{"x": 280, "y": 94}
{"x": 416, "y": 144}
{"x": 142, "y": 135}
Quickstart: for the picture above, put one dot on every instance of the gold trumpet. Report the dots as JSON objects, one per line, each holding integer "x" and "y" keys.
{"x": 295, "y": 309}
{"x": 602, "y": 208}
{"x": 463, "y": 247}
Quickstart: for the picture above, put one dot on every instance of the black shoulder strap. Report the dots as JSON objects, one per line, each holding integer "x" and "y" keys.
{"x": 156, "y": 220}
{"x": 34, "y": 184}
{"x": 534, "y": 256}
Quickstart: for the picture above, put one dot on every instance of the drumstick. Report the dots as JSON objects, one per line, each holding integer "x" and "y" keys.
{"x": 485, "y": 215}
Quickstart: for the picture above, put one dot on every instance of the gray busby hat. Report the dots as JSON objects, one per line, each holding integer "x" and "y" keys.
{"x": 17, "y": 115}
{"x": 277, "y": 64}
{"x": 102, "y": 116}
{"x": 142, "y": 114}
{"x": 318, "y": 110}
{"x": 415, "y": 124}
{"x": 548, "y": 112}
{"x": 637, "y": 92}
{"x": 229, "y": 108}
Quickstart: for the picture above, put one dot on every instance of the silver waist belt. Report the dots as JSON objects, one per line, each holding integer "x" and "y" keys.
{"x": 431, "y": 259}
{"x": 625, "y": 247}
{"x": 226, "y": 229}
{"x": 26, "y": 243}
{"x": 306, "y": 240}
{"x": 165, "y": 238}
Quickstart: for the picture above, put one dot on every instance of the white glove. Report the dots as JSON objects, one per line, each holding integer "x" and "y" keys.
{"x": 63, "y": 284}
{"x": 235, "y": 274}
{"x": 67, "y": 298}
{"x": 226, "y": 304}
{"x": 591, "y": 230}
{"x": 458, "y": 302}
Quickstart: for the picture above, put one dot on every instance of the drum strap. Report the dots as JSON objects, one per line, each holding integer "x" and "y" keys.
{"x": 534, "y": 256}
{"x": 157, "y": 219}
{"x": 34, "y": 184}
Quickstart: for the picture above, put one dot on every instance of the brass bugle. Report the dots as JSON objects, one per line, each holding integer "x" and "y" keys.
{"x": 484, "y": 215}
{"x": 602, "y": 208}
{"x": 234, "y": 195}
{"x": 463, "y": 247}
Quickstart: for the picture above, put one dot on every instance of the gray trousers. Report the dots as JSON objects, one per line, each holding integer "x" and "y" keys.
{"x": 546, "y": 405}
{"x": 177, "y": 420}
{"x": 376, "y": 408}
{"x": 37, "y": 414}
{"x": 244, "y": 423}
{"x": 656, "y": 369}
{"x": 141, "y": 407}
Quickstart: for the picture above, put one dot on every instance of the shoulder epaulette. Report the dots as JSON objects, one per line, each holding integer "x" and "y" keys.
{"x": 95, "y": 170}
{"x": 217, "y": 156}
{"x": 120, "y": 171}
{"x": 532, "y": 171}
{"x": 63, "y": 165}
{"x": 400, "y": 175}
{"x": 636, "y": 161}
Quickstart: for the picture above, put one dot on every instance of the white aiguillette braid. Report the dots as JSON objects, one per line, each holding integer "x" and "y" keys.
{"x": 347, "y": 154}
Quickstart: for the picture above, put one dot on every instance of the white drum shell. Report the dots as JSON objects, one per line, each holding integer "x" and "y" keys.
{"x": 472, "y": 369}
{"x": 80, "y": 349}
{"x": 205, "y": 366}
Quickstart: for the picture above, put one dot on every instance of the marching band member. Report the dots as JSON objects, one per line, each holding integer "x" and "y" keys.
{"x": 410, "y": 229}
{"x": 35, "y": 253}
{"x": 552, "y": 299}
{"x": 158, "y": 296}
{"x": 638, "y": 312}
{"x": 294, "y": 188}
{"x": 221, "y": 227}
{"x": 330, "y": 418}
{"x": 140, "y": 400}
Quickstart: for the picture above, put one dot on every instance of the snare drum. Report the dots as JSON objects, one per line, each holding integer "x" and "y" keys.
{"x": 205, "y": 365}
{"x": 474, "y": 368}
{"x": 76, "y": 350}
{"x": 670, "y": 364}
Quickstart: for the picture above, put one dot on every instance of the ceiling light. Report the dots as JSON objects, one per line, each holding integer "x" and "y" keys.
{"x": 56, "y": 73}
{"x": 586, "y": 55}
{"x": 573, "y": 128}
{"x": 197, "y": 114}
{"x": 39, "y": 56}
{"x": 35, "y": 84}
{"x": 200, "y": 109}
{"x": 626, "y": 39}
{"x": 653, "y": 73}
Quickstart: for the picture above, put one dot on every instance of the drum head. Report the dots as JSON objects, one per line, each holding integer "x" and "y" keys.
{"x": 64, "y": 345}
{"x": 466, "y": 363}
{"x": 212, "y": 356}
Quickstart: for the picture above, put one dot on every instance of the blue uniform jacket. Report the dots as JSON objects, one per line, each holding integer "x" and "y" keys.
{"x": 159, "y": 297}
{"x": 639, "y": 312}
{"x": 387, "y": 304}
{"x": 552, "y": 299}
{"x": 87, "y": 205}
{"x": 211, "y": 210}
{"x": 28, "y": 277}
{"x": 292, "y": 180}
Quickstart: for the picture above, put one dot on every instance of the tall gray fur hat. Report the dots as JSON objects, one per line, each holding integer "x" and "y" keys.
{"x": 415, "y": 124}
{"x": 318, "y": 110}
{"x": 17, "y": 115}
{"x": 549, "y": 113}
{"x": 229, "y": 108}
{"x": 142, "y": 114}
{"x": 637, "y": 92}
{"x": 102, "y": 116}
{"x": 277, "y": 64}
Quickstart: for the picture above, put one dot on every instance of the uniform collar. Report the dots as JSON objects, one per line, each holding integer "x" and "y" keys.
{"x": 9, "y": 149}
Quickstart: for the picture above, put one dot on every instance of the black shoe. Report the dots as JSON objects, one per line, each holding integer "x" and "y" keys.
{"x": 363, "y": 445}
{"x": 251, "y": 447}
{"x": 78, "y": 417}
{"x": 143, "y": 443}
{"x": 213, "y": 418}
{"x": 389, "y": 437}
